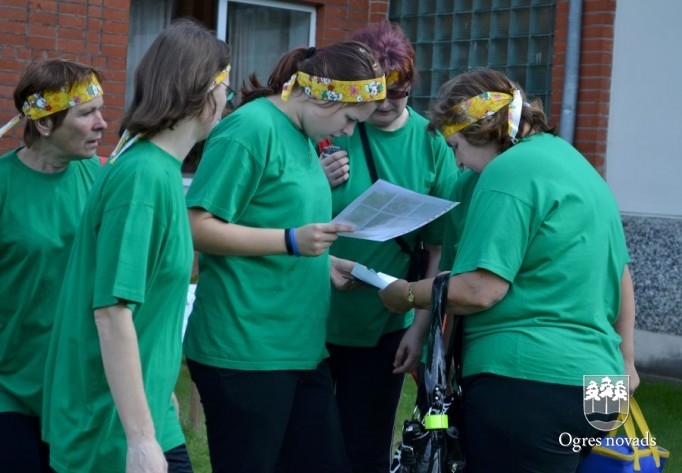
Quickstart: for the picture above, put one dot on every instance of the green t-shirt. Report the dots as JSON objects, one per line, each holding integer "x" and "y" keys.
{"x": 543, "y": 219}
{"x": 409, "y": 157}
{"x": 134, "y": 244}
{"x": 39, "y": 213}
{"x": 260, "y": 312}
{"x": 454, "y": 223}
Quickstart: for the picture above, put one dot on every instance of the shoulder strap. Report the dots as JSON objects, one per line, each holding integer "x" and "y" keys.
{"x": 369, "y": 158}
{"x": 454, "y": 352}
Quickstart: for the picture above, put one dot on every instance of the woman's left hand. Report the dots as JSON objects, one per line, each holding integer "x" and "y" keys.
{"x": 409, "y": 351}
{"x": 394, "y": 296}
{"x": 341, "y": 276}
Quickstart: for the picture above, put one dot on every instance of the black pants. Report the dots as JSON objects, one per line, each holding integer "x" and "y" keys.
{"x": 21, "y": 448}
{"x": 23, "y": 451}
{"x": 267, "y": 421}
{"x": 178, "y": 460}
{"x": 514, "y": 425}
{"x": 367, "y": 393}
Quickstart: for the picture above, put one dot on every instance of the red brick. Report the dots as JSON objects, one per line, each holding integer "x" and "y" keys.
{"x": 115, "y": 87}
{"x": 71, "y": 46}
{"x": 42, "y": 18}
{"x": 117, "y": 62}
{"x": 114, "y": 39}
{"x": 116, "y": 15}
{"x": 99, "y": 62}
{"x": 78, "y": 8}
{"x": 43, "y": 5}
{"x": 12, "y": 13}
{"x": 72, "y": 21}
{"x": 599, "y": 18}
{"x": 114, "y": 50}
{"x": 72, "y": 34}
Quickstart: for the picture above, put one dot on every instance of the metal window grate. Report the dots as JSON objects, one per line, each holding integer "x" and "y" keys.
{"x": 452, "y": 36}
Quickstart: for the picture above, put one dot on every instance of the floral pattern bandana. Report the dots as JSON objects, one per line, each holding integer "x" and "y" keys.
{"x": 484, "y": 105}
{"x": 42, "y": 104}
{"x": 331, "y": 90}
{"x": 47, "y": 102}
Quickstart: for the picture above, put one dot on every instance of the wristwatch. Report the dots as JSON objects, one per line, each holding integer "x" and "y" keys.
{"x": 410, "y": 294}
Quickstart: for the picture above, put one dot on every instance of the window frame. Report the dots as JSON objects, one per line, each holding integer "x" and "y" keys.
{"x": 223, "y": 11}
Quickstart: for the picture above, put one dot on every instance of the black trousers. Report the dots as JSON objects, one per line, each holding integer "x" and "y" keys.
{"x": 23, "y": 451}
{"x": 178, "y": 460}
{"x": 270, "y": 421}
{"x": 367, "y": 393}
{"x": 21, "y": 448}
{"x": 515, "y": 425}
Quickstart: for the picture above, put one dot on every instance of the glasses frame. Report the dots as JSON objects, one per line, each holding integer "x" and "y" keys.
{"x": 393, "y": 94}
{"x": 230, "y": 94}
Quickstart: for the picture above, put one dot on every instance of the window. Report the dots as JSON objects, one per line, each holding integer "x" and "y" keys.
{"x": 147, "y": 19}
{"x": 450, "y": 37}
{"x": 260, "y": 31}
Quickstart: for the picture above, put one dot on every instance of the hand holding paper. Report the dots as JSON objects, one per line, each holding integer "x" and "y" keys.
{"x": 371, "y": 277}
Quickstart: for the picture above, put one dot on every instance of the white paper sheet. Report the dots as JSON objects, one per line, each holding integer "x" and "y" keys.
{"x": 371, "y": 277}
{"x": 385, "y": 211}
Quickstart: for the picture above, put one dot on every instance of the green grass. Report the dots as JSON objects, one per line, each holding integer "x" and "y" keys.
{"x": 194, "y": 434}
{"x": 661, "y": 404}
{"x": 660, "y": 401}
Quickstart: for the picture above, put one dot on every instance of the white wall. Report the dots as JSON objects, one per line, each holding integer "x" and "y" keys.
{"x": 644, "y": 153}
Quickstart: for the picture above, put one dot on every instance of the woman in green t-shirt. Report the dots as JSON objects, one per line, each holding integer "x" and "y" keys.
{"x": 260, "y": 207}
{"x": 43, "y": 187}
{"x": 540, "y": 275}
{"x": 116, "y": 349}
{"x": 370, "y": 348}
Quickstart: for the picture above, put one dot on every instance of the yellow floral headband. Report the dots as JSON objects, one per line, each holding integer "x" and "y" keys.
{"x": 47, "y": 102}
{"x": 484, "y": 105}
{"x": 332, "y": 90}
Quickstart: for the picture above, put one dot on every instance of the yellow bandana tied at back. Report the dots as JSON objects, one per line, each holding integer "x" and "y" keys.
{"x": 332, "y": 90}
{"x": 484, "y": 105}
{"x": 47, "y": 102}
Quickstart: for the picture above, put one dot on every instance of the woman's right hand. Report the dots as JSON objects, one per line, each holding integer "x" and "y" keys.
{"x": 315, "y": 238}
{"x": 336, "y": 167}
{"x": 145, "y": 456}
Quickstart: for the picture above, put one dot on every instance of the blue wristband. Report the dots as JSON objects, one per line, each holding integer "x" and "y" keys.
{"x": 294, "y": 243}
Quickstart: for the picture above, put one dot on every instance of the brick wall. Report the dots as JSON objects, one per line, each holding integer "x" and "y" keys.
{"x": 337, "y": 19}
{"x": 596, "y": 56}
{"x": 80, "y": 30}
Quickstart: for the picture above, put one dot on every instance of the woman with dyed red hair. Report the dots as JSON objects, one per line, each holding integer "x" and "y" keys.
{"x": 372, "y": 349}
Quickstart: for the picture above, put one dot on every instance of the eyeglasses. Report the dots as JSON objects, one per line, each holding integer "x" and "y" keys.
{"x": 230, "y": 94}
{"x": 393, "y": 94}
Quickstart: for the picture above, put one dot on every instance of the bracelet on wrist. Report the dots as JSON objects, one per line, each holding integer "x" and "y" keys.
{"x": 294, "y": 243}
{"x": 287, "y": 241}
{"x": 410, "y": 295}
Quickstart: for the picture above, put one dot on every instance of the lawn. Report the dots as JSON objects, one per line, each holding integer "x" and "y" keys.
{"x": 661, "y": 403}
